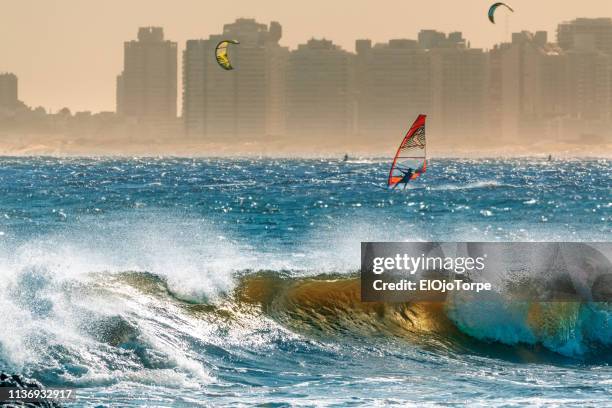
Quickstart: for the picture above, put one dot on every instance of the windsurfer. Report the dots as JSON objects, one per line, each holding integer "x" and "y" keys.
{"x": 407, "y": 176}
{"x": 410, "y": 160}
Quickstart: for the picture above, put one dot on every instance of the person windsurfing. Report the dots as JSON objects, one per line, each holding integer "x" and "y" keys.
{"x": 407, "y": 176}
{"x": 410, "y": 161}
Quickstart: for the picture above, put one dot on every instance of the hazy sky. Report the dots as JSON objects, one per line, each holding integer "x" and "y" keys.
{"x": 68, "y": 52}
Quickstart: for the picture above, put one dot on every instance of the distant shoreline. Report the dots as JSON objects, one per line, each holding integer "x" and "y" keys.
{"x": 59, "y": 146}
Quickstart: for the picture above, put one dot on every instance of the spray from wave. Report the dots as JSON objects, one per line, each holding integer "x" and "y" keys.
{"x": 160, "y": 299}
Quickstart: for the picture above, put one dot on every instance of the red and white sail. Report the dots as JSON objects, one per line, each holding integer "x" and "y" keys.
{"x": 411, "y": 155}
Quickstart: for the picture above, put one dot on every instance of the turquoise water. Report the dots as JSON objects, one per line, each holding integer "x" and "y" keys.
{"x": 185, "y": 282}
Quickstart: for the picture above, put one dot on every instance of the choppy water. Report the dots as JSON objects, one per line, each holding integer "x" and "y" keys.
{"x": 180, "y": 282}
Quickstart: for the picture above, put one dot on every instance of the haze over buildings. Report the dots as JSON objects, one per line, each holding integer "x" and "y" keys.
{"x": 242, "y": 103}
{"x": 79, "y": 44}
{"x": 320, "y": 91}
{"x": 527, "y": 88}
{"x": 8, "y": 91}
{"x": 146, "y": 88}
{"x": 525, "y": 91}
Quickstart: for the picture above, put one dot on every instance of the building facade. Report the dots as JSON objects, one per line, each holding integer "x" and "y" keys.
{"x": 9, "y": 97}
{"x": 320, "y": 91}
{"x": 242, "y": 103}
{"x": 393, "y": 85}
{"x": 592, "y": 39}
{"x": 596, "y": 31}
{"x": 459, "y": 93}
{"x": 528, "y": 86}
{"x": 147, "y": 87}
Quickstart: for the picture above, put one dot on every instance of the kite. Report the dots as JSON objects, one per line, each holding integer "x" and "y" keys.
{"x": 410, "y": 160}
{"x": 222, "y": 56}
{"x": 494, "y": 7}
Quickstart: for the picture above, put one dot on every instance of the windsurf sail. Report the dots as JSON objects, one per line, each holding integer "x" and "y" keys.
{"x": 411, "y": 158}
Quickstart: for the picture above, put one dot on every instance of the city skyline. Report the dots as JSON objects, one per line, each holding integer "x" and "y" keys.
{"x": 520, "y": 92}
{"x": 81, "y": 56}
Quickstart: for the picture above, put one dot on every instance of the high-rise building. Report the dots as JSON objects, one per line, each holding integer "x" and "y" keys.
{"x": 495, "y": 89}
{"x": 459, "y": 78}
{"x": 245, "y": 102}
{"x": 530, "y": 87}
{"x": 589, "y": 86}
{"x": 577, "y": 33}
{"x": 393, "y": 86}
{"x": 147, "y": 87}
{"x": 587, "y": 37}
{"x": 195, "y": 65}
{"x": 8, "y": 92}
{"x": 320, "y": 91}
{"x": 588, "y": 82}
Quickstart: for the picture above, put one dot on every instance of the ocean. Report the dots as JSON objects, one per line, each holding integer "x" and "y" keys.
{"x": 174, "y": 282}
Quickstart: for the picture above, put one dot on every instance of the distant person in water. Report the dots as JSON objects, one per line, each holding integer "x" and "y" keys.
{"x": 550, "y": 157}
{"x": 346, "y": 157}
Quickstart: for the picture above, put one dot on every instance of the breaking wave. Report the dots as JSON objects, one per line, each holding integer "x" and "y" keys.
{"x": 169, "y": 279}
{"x": 153, "y": 301}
